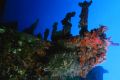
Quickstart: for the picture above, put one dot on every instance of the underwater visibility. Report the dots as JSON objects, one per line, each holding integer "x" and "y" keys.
{"x": 25, "y": 56}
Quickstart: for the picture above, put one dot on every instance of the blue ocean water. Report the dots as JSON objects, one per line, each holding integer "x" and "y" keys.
{"x": 101, "y": 12}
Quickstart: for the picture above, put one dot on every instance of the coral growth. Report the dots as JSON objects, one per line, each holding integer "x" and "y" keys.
{"x": 26, "y": 56}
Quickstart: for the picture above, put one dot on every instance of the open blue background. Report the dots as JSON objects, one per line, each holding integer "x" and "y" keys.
{"x": 102, "y": 12}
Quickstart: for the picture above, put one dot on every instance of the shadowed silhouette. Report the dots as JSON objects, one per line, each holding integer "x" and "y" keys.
{"x": 96, "y": 73}
{"x": 31, "y": 29}
{"x": 2, "y": 6}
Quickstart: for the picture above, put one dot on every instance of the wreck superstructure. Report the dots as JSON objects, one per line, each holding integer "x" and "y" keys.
{"x": 29, "y": 57}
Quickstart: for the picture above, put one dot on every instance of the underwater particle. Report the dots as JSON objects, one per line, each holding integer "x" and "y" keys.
{"x": 19, "y": 49}
{"x": 2, "y": 30}
{"x": 14, "y": 51}
{"x": 29, "y": 40}
{"x": 20, "y": 43}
